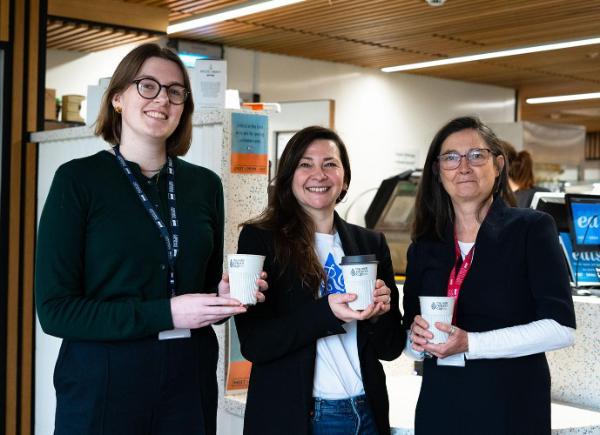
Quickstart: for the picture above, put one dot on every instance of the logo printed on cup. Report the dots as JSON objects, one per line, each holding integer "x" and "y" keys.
{"x": 359, "y": 271}
{"x": 236, "y": 262}
{"x": 442, "y": 306}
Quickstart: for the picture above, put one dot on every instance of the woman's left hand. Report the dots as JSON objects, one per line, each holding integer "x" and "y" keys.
{"x": 458, "y": 341}
{"x": 263, "y": 286}
{"x": 382, "y": 296}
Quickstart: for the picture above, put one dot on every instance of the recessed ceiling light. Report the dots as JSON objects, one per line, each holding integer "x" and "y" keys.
{"x": 494, "y": 54}
{"x": 247, "y": 8}
{"x": 561, "y": 98}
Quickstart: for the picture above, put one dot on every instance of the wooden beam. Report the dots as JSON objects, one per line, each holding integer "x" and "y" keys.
{"x": 114, "y": 12}
{"x": 14, "y": 221}
{"x": 4, "y": 20}
{"x": 33, "y": 53}
{"x": 27, "y": 303}
{"x": 28, "y": 219}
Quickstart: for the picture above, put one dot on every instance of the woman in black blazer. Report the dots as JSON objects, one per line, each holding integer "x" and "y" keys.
{"x": 315, "y": 361}
{"x": 506, "y": 270}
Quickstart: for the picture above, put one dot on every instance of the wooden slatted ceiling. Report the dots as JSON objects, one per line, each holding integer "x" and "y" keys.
{"x": 185, "y": 8}
{"x": 67, "y": 35}
{"x": 378, "y": 33}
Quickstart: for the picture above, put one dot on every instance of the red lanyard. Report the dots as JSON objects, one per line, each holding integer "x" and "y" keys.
{"x": 456, "y": 279}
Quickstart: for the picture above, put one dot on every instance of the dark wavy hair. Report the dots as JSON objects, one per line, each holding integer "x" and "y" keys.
{"x": 293, "y": 228}
{"x": 433, "y": 207}
{"x": 520, "y": 166}
{"x": 108, "y": 124}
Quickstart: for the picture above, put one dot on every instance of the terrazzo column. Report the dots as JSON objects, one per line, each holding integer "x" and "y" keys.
{"x": 245, "y": 197}
{"x": 575, "y": 370}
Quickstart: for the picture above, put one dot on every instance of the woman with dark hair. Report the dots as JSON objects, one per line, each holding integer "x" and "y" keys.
{"x": 129, "y": 265}
{"x": 316, "y": 366}
{"x": 520, "y": 175}
{"x": 506, "y": 271}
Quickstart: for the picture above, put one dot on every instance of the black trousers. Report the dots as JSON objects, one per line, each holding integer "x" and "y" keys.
{"x": 142, "y": 387}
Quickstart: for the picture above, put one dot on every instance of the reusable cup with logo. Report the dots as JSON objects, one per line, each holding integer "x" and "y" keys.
{"x": 360, "y": 274}
{"x": 244, "y": 270}
{"x": 437, "y": 309}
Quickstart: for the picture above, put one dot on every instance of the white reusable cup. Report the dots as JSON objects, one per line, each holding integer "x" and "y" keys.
{"x": 244, "y": 270}
{"x": 437, "y": 309}
{"x": 360, "y": 274}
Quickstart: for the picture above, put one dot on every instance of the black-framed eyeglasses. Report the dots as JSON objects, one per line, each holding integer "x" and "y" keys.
{"x": 149, "y": 88}
{"x": 474, "y": 156}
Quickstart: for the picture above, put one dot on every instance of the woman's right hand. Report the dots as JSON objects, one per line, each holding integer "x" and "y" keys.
{"x": 338, "y": 302}
{"x": 196, "y": 310}
{"x": 419, "y": 334}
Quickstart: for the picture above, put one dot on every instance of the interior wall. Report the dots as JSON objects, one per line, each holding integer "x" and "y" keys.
{"x": 378, "y": 115}
{"x": 71, "y": 72}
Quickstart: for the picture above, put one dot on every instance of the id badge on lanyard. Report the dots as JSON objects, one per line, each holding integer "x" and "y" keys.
{"x": 171, "y": 239}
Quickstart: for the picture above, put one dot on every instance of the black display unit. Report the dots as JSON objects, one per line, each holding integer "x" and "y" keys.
{"x": 555, "y": 206}
{"x": 392, "y": 206}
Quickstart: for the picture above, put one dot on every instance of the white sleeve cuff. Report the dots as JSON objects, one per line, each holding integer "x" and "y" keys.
{"x": 535, "y": 337}
{"x": 410, "y": 352}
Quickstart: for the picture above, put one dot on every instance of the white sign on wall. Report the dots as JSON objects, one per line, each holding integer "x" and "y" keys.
{"x": 209, "y": 81}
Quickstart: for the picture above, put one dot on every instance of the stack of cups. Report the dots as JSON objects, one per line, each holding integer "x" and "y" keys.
{"x": 360, "y": 275}
{"x": 437, "y": 309}
{"x": 244, "y": 270}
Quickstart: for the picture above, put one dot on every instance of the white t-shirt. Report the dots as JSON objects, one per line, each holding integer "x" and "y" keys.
{"x": 337, "y": 367}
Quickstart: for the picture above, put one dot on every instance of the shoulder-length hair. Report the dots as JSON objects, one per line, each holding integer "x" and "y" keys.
{"x": 520, "y": 166}
{"x": 293, "y": 228}
{"x": 108, "y": 124}
{"x": 433, "y": 207}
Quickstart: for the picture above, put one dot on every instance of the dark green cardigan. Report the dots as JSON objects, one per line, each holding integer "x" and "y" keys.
{"x": 101, "y": 266}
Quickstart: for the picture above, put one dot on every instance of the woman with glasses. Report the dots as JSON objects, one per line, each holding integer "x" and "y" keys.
{"x": 506, "y": 271}
{"x": 129, "y": 265}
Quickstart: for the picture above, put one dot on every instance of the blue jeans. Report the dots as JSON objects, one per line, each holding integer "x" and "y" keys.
{"x": 343, "y": 417}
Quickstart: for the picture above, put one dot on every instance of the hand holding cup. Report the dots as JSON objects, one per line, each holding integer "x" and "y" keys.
{"x": 458, "y": 342}
{"x": 225, "y": 288}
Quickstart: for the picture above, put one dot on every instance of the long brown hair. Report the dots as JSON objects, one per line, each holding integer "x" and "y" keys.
{"x": 433, "y": 207}
{"x": 520, "y": 166}
{"x": 108, "y": 124}
{"x": 293, "y": 228}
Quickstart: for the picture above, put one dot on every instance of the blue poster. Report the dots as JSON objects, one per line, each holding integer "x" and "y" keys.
{"x": 584, "y": 266}
{"x": 586, "y": 222}
{"x": 249, "y": 143}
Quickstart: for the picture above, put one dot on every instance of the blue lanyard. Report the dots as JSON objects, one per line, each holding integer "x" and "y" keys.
{"x": 171, "y": 240}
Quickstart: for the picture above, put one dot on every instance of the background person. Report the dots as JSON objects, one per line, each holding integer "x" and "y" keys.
{"x": 506, "y": 270}
{"x": 316, "y": 366}
{"x": 520, "y": 175}
{"x": 129, "y": 260}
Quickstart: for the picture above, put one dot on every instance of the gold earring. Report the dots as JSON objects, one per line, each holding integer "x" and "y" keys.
{"x": 118, "y": 109}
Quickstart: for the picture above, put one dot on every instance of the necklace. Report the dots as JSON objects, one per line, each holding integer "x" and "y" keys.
{"x": 153, "y": 170}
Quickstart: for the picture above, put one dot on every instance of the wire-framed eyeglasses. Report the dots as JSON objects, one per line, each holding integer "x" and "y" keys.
{"x": 474, "y": 156}
{"x": 149, "y": 88}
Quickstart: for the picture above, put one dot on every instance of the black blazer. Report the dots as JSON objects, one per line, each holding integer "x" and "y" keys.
{"x": 518, "y": 275}
{"x": 279, "y": 337}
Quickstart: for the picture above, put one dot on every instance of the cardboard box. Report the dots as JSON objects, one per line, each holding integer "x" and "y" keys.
{"x": 71, "y": 105}
{"x": 50, "y": 104}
